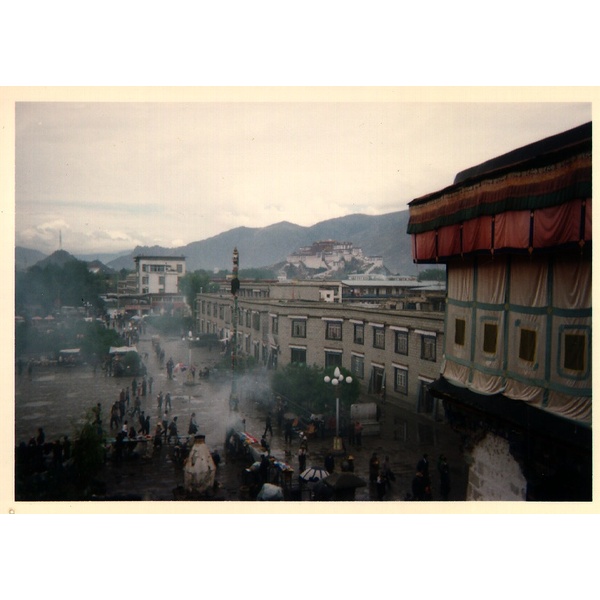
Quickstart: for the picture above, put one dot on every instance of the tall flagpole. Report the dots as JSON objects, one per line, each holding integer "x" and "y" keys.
{"x": 235, "y": 286}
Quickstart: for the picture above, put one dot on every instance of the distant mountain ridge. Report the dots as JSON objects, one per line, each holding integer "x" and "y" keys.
{"x": 380, "y": 235}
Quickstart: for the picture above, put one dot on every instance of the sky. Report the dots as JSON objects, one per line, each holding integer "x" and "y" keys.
{"x": 103, "y": 177}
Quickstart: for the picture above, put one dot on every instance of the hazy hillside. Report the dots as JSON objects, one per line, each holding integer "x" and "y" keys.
{"x": 59, "y": 258}
{"x": 382, "y": 235}
{"x": 25, "y": 258}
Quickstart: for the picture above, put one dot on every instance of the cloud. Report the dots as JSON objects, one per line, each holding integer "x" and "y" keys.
{"x": 124, "y": 174}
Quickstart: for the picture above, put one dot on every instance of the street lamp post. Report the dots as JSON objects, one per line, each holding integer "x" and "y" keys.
{"x": 335, "y": 381}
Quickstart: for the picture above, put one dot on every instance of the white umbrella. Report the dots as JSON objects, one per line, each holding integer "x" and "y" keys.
{"x": 313, "y": 474}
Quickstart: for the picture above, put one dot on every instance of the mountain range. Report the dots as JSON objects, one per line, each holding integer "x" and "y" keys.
{"x": 381, "y": 235}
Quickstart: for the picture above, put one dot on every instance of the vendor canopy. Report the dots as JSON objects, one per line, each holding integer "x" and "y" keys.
{"x": 535, "y": 197}
{"x": 122, "y": 349}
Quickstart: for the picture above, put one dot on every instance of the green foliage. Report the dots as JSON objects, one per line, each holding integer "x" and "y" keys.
{"x": 52, "y": 286}
{"x": 432, "y": 275}
{"x": 191, "y": 284}
{"x": 96, "y": 339}
{"x": 304, "y": 385}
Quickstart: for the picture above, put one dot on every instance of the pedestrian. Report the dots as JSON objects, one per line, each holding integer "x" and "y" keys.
{"x": 265, "y": 445}
{"x": 158, "y": 433}
{"x": 373, "y": 468}
{"x": 386, "y": 471}
{"x": 264, "y": 468}
{"x": 150, "y": 382}
{"x": 330, "y": 463}
{"x": 418, "y": 487}
{"x": 193, "y": 426}
{"x": 121, "y": 408}
{"x": 147, "y": 425}
{"x": 127, "y": 397}
{"x": 381, "y": 486}
{"x": 358, "y": 428}
{"x": 137, "y": 406}
{"x": 165, "y": 424}
{"x": 302, "y": 459}
{"x": 288, "y": 432}
{"x": 444, "y": 471}
{"x": 144, "y": 386}
{"x": 134, "y": 389}
{"x": 57, "y": 454}
{"x": 268, "y": 426}
{"x": 423, "y": 467}
{"x": 66, "y": 448}
{"x": 304, "y": 442}
{"x": 142, "y": 421}
{"x": 172, "y": 430}
{"x": 115, "y": 418}
{"x": 168, "y": 401}
{"x": 159, "y": 401}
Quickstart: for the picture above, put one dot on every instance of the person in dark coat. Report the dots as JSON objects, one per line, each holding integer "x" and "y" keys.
{"x": 329, "y": 463}
{"x": 418, "y": 487}
{"x": 289, "y": 432}
{"x": 264, "y": 468}
{"x": 381, "y": 486}
{"x": 373, "y": 468}
{"x": 302, "y": 459}
{"x": 444, "y": 471}
{"x": 423, "y": 467}
{"x": 268, "y": 426}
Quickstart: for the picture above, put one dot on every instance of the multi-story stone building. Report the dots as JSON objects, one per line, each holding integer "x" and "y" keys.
{"x": 516, "y": 236}
{"x": 159, "y": 274}
{"x": 154, "y": 287}
{"x": 395, "y": 353}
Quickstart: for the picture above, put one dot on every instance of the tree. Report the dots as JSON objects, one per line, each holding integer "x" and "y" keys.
{"x": 191, "y": 284}
{"x": 432, "y": 275}
{"x": 305, "y": 386}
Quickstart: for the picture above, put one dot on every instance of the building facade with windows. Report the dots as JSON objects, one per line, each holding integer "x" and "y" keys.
{"x": 515, "y": 234}
{"x": 154, "y": 287}
{"x": 159, "y": 274}
{"x": 394, "y": 354}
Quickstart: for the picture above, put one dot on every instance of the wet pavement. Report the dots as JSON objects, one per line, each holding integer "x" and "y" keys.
{"x": 57, "y": 398}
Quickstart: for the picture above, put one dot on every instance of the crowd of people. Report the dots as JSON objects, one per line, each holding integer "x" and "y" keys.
{"x": 37, "y": 455}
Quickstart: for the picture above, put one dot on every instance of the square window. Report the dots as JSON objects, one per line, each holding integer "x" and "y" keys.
{"x": 490, "y": 337}
{"x": 333, "y": 359}
{"x": 527, "y": 345}
{"x": 299, "y": 328}
{"x": 358, "y": 366}
{"x": 298, "y": 356}
{"x": 401, "y": 342}
{"x": 401, "y": 380}
{"x": 574, "y": 357}
{"x": 359, "y": 333}
{"x": 379, "y": 337}
{"x": 333, "y": 331}
{"x": 460, "y": 326}
{"x": 428, "y": 347}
